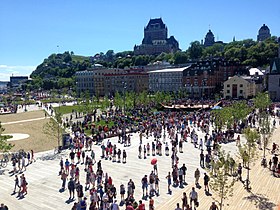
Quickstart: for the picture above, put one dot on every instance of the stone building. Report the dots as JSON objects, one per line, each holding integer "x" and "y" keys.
{"x": 92, "y": 80}
{"x": 205, "y": 78}
{"x": 209, "y": 39}
{"x": 274, "y": 80}
{"x": 264, "y": 33}
{"x": 169, "y": 80}
{"x": 156, "y": 39}
{"x": 134, "y": 81}
{"x": 241, "y": 87}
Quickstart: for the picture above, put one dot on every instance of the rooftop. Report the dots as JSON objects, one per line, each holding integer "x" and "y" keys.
{"x": 169, "y": 70}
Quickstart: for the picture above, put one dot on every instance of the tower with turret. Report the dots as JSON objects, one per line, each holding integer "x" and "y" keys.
{"x": 264, "y": 33}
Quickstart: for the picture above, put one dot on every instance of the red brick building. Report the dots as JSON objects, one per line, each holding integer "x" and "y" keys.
{"x": 205, "y": 78}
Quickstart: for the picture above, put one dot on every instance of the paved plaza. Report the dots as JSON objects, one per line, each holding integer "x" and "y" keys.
{"x": 44, "y": 183}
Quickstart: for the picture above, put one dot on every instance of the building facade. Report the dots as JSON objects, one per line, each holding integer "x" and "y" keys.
{"x": 209, "y": 39}
{"x": 240, "y": 87}
{"x": 169, "y": 80}
{"x": 205, "y": 78}
{"x": 273, "y": 80}
{"x": 17, "y": 81}
{"x": 156, "y": 39}
{"x": 264, "y": 33}
{"x": 93, "y": 80}
{"x": 130, "y": 81}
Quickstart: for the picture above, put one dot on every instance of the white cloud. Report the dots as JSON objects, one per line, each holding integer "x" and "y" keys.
{"x": 6, "y": 71}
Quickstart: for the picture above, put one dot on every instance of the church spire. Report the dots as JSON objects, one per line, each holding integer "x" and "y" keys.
{"x": 233, "y": 39}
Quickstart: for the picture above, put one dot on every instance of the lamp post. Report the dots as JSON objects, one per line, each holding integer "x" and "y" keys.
{"x": 192, "y": 90}
{"x": 124, "y": 87}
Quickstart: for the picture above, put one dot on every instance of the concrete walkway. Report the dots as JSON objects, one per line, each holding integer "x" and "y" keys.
{"x": 44, "y": 182}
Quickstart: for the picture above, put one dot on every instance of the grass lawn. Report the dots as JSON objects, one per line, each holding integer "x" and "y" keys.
{"x": 66, "y": 109}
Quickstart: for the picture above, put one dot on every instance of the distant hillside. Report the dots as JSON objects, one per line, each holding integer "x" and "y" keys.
{"x": 58, "y": 70}
{"x": 61, "y": 65}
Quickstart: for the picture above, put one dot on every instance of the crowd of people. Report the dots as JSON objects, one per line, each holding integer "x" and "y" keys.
{"x": 164, "y": 133}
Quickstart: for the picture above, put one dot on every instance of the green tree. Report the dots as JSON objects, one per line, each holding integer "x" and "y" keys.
{"x": 195, "y": 50}
{"x": 4, "y": 145}
{"x": 248, "y": 151}
{"x": 53, "y": 127}
{"x": 180, "y": 57}
{"x": 220, "y": 181}
{"x": 118, "y": 100}
{"x": 262, "y": 102}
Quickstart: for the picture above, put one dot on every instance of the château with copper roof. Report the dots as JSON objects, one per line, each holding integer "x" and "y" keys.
{"x": 156, "y": 39}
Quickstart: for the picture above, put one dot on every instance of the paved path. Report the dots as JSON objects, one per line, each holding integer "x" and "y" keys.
{"x": 44, "y": 182}
{"x": 23, "y": 121}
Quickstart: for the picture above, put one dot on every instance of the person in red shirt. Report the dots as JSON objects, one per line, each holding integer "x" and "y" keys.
{"x": 79, "y": 156}
{"x": 129, "y": 207}
{"x": 141, "y": 205}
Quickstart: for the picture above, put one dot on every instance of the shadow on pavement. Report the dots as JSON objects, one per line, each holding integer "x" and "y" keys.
{"x": 51, "y": 157}
{"x": 261, "y": 201}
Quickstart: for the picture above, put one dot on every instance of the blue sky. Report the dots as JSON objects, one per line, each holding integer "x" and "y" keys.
{"x": 31, "y": 30}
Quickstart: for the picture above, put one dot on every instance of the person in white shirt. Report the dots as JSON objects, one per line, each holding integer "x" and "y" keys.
{"x": 193, "y": 197}
{"x": 115, "y": 206}
{"x": 178, "y": 207}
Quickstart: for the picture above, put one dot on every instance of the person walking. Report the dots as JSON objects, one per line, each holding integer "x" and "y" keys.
{"x": 184, "y": 200}
{"x": 193, "y": 197}
{"x": 168, "y": 177}
{"x": 213, "y": 206}
{"x": 16, "y": 183}
{"x": 178, "y": 207}
{"x": 63, "y": 178}
{"x": 141, "y": 205}
{"x": 32, "y": 156}
{"x": 206, "y": 181}
{"x": 239, "y": 172}
{"x": 196, "y": 176}
{"x": 71, "y": 188}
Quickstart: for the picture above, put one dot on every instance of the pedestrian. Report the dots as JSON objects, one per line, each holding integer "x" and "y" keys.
{"x": 122, "y": 192}
{"x": 67, "y": 164}
{"x": 196, "y": 176}
{"x": 184, "y": 200}
{"x": 23, "y": 186}
{"x": 184, "y": 168}
{"x": 239, "y": 171}
{"x": 151, "y": 203}
{"x": 201, "y": 159}
{"x": 139, "y": 151}
{"x": 16, "y": 183}
{"x": 145, "y": 185}
{"x": 168, "y": 177}
{"x": 141, "y": 205}
{"x": 3, "y": 207}
{"x": 124, "y": 156}
{"x": 83, "y": 156}
{"x": 178, "y": 207}
{"x": 63, "y": 178}
{"x": 72, "y": 156}
{"x": 32, "y": 156}
{"x": 83, "y": 204}
{"x": 206, "y": 181}
{"x": 23, "y": 163}
{"x": 213, "y": 206}
{"x": 71, "y": 188}
{"x": 193, "y": 197}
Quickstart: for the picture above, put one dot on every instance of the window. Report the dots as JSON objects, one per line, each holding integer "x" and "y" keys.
{"x": 241, "y": 85}
{"x": 241, "y": 91}
{"x": 228, "y": 85}
{"x": 227, "y": 91}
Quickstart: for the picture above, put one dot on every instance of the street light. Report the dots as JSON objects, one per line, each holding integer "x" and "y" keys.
{"x": 124, "y": 87}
